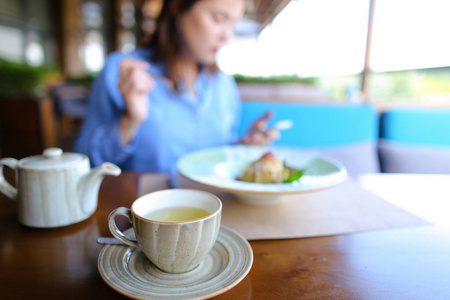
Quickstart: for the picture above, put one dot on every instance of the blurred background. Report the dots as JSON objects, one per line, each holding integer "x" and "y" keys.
{"x": 384, "y": 52}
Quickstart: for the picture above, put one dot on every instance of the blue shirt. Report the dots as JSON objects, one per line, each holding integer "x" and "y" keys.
{"x": 176, "y": 124}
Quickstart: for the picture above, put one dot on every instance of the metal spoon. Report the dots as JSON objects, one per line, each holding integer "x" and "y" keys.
{"x": 108, "y": 241}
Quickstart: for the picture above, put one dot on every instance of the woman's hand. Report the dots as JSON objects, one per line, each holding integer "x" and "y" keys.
{"x": 259, "y": 134}
{"x": 134, "y": 83}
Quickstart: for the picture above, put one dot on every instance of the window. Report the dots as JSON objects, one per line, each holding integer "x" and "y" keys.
{"x": 326, "y": 39}
{"x": 34, "y": 51}
{"x": 127, "y": 37}
{"x": 27, "y": 33}
{"x": 410, "y": 52}
{"x": 12, "y": 43}
{"x": 93, "y": 48}
{"x": 410, "y": 34}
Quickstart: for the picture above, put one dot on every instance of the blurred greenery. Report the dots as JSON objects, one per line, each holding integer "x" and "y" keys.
{"x": 340, "y": 88}
{"x": 424, "y": 86}
{"x": 21, "y": 80}
{"x": 420, "y": 86}
{"x": 274, "y": 79}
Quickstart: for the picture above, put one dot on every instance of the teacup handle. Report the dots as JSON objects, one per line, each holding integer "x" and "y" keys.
{"x": 5, "y": 187}
{"x": 116, "y": 232}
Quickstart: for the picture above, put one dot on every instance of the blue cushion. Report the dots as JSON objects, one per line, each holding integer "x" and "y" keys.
{"x": 416, "y": 126}
{"x": 415, "y": 140}
{"x": 406, "y": 158}
{"x": 317, "y": 125}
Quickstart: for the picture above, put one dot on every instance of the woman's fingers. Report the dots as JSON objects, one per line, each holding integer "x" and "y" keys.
{"x": 134, "y": 77}
{"x": 266, "y": 116}
{"x": 261, "y": 123}
{"x": 137, "y": 82}
{"x": 134, "y": 84}
{"x": 272, "y": 134}
{"x": 129, "y": 63}
{"x": 259, "y": 134}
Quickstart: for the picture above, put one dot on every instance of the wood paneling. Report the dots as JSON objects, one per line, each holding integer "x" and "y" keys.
{"x": 26, "y": 127}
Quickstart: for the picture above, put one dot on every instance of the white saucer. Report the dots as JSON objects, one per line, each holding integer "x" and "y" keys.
{"x": 128, "y": 271}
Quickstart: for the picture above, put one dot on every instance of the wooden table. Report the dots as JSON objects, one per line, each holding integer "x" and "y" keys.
{"x": 407, "y": 263}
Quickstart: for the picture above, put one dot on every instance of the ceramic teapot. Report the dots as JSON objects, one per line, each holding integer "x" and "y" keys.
{"x": 54, "y": 189}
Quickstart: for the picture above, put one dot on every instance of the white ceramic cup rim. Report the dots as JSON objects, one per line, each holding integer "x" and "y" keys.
{"x": 139, "y": 209}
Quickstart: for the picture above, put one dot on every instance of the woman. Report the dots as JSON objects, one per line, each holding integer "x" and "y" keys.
{"x": 150, "y": 107}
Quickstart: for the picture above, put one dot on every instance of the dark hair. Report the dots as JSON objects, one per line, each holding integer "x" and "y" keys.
{"x": 167, "y": 41}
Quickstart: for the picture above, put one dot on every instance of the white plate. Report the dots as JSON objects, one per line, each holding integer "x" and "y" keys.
{"x": 128, "y": 271}
{"x": 219, "y": 167}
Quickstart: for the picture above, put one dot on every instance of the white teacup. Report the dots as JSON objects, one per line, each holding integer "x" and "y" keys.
{"x": 174, "y": 228}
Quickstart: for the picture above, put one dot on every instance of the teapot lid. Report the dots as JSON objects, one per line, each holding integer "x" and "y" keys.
{"x": 52, "y": 158}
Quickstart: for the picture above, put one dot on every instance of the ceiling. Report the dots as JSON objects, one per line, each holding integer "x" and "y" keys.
{"x": 258, "y": 15}
{"x": 264, "y": 11}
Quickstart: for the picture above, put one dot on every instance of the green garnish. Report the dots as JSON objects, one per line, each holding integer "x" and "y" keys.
{"x": 293, "y": 173}
{"x": 294, "y": 176}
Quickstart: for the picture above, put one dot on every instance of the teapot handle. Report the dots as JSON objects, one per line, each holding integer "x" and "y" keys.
{"x": 5, "y": 187}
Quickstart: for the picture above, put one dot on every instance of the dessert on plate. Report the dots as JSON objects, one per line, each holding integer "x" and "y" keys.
{"x": 270, "y": 169}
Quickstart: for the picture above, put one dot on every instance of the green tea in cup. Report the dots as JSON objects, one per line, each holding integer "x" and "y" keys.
{"x": 177, "y": 214}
